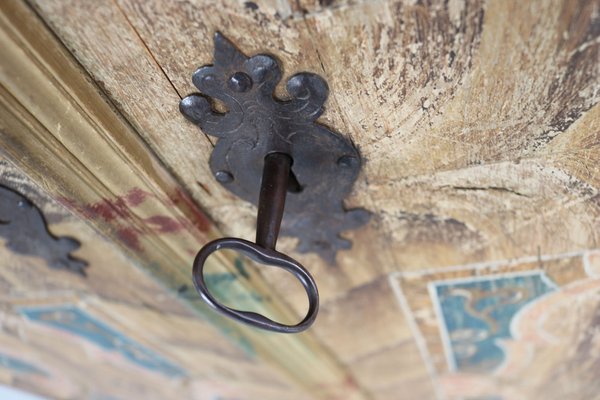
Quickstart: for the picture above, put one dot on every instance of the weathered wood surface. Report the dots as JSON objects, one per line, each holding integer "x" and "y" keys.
{"x": 66, "y": 362}
{"x": 478, "y": 122}
{"x": 80, "y": 149}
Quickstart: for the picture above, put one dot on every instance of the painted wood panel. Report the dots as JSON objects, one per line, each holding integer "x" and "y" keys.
{"x": 115, "y": 332}
{"x": 480, "y": 128}
{"x": 90, "y": 160}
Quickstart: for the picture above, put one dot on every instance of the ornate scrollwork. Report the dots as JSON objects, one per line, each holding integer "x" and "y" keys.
{"x": 257, "y": 123}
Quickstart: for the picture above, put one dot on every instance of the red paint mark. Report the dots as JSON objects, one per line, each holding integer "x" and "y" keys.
{"x": 130, "y": 237}
{"x": 117, "y": 211}
{"x": 164, "y": 224}
{"x": 136, "y": 196}
{"x": 108, "y": 210}
{"x": 350, "y": 383}
{"x": 198, "y": 218}
{"x": 118, "y": 208}
{"x": 340, "y": 391}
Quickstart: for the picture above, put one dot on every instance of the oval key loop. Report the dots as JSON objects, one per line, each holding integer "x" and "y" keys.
{"x": 263, "y": 256}
{"x": 276, "y": 172}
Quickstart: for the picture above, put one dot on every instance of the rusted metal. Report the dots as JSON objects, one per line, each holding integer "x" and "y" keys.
{"x": 271, "y": 203}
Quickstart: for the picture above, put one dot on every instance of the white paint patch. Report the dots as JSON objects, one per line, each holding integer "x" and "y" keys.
{"x": 416, "y": 333}
{"x": 587, "y": 264}
{"x": 455, "y": 9}
{"x": 488, "y": 264}
{"x": 11, "y": 393}
{"x": 450, "y": 360}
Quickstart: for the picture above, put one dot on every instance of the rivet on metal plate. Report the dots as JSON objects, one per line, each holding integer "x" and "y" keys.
{"x": 269, "y": 150}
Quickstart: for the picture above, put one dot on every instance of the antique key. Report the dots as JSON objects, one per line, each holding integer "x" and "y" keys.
{"x": 271, "y": 206}
{"x": 280, "y": 140}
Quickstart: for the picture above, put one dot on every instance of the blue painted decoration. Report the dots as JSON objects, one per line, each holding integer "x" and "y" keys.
{"x": 78, "y": 322}
{"x": 476, "y": 312}
{"x": 19, "y": 366}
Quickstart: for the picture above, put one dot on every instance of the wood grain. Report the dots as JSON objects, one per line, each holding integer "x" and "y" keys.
{"x": 127, "y": 298}
{"x": 91, "y": 160}
{"x": 478, "y": 121}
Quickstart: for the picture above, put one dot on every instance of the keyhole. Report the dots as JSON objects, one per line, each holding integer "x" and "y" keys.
{"x": 293, "y": 184}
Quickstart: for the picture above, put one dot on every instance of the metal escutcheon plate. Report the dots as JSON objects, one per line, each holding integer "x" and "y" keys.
{"x": 325, "y": 164}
